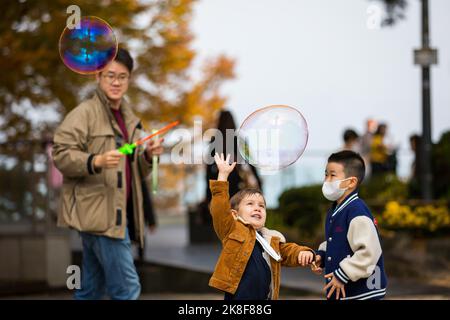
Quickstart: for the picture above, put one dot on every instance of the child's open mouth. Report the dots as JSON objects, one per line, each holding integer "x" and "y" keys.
{"x": 256, "y": 216}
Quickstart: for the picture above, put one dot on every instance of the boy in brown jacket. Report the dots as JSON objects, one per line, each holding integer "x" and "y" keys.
{"x": 249, "y": 264}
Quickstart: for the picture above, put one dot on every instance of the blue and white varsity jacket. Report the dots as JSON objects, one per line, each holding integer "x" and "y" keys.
{"x": 352, "y": 250}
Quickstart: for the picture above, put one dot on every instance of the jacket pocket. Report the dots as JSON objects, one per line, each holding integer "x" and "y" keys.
{"x": 233, "y": 243}
{"x": 92, "y": 209}
{"x": 101, "y": 141}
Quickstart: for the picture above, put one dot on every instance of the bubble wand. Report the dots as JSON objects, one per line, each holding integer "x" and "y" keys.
{"x": 155, "y": 171}
{"x": 128, "y": 148}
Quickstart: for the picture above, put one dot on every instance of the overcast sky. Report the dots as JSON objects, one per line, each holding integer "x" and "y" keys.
{"x": 320, "y": 57}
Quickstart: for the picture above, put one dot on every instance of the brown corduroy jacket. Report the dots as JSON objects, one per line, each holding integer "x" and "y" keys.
{"x": 238, "y": 239}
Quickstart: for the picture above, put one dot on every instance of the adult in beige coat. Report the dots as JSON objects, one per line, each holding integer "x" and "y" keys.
{"x": 102, "y": 193}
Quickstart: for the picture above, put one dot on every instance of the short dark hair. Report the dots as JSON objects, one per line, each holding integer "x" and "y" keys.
{"x": 124, "y": 57}
{"x": 353, "y": 164}
{"x": 350, "y": 135}
{"x": 238, "y": 197}
{"x": 415, "y": 138}
{"x": 382, "y": 127}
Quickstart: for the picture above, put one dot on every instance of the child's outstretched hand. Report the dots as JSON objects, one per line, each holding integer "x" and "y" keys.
{"x": 224, "y": 166}
{"x": 305, "y": 258}
{"x": 335, "y": 286}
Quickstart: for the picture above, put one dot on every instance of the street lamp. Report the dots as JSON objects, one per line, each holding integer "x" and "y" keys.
{"x": 425, "y": 57}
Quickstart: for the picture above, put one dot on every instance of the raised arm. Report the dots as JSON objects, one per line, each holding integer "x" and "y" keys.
{"x": 220, "y": 209}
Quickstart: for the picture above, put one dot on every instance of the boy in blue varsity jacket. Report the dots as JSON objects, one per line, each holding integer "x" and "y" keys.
{"x": 351, "y": 255}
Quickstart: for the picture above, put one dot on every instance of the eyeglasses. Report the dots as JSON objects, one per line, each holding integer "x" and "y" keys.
{"x": 111, "y": 77}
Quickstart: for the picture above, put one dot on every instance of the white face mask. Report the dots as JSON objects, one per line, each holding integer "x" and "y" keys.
{"x": 331, "y": 190}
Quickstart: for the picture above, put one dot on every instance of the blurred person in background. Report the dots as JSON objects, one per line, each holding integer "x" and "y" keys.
{"x": 351, "y": 141}
{"x": 383, "y": 154}
{"x": 366, "y": 144}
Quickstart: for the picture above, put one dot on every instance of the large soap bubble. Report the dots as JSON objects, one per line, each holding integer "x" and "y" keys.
{"x": 272, "y": 138}
{"x": 90, "y": 48}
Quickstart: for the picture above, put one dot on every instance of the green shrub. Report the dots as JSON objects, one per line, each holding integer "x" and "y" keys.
{"x": 382, "y": 188}
{"x": 303, "y": 208}
{"x": 441, "y": 167}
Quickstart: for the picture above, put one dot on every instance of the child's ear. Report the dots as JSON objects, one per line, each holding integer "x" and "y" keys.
{"x": 234, "y": 212}
{"x": 354, "y": 182}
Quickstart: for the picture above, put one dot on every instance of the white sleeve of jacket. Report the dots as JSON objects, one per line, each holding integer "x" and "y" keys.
{"x": 321, "y": 252}
{"x": 323, "y": 247}
{"x": 364, "y": 242}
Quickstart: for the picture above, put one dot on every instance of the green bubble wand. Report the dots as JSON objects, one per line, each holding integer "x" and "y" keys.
{"x": 128, "y": 148}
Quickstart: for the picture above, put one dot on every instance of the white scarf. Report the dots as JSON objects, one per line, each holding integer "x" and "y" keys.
{"x": 267, "y": 248}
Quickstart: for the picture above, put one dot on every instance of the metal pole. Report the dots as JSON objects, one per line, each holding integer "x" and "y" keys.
{"x": 426, "y": 175}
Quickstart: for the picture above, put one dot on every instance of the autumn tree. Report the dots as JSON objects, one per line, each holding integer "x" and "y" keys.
{"x": 34, "y": 81}
{"x": 35, "y": 84}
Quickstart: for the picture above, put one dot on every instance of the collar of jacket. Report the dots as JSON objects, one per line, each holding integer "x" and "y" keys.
{"x": 131, "y": 121}
{"x": 268, "y": 234}
{"x": 335, "y": 208}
